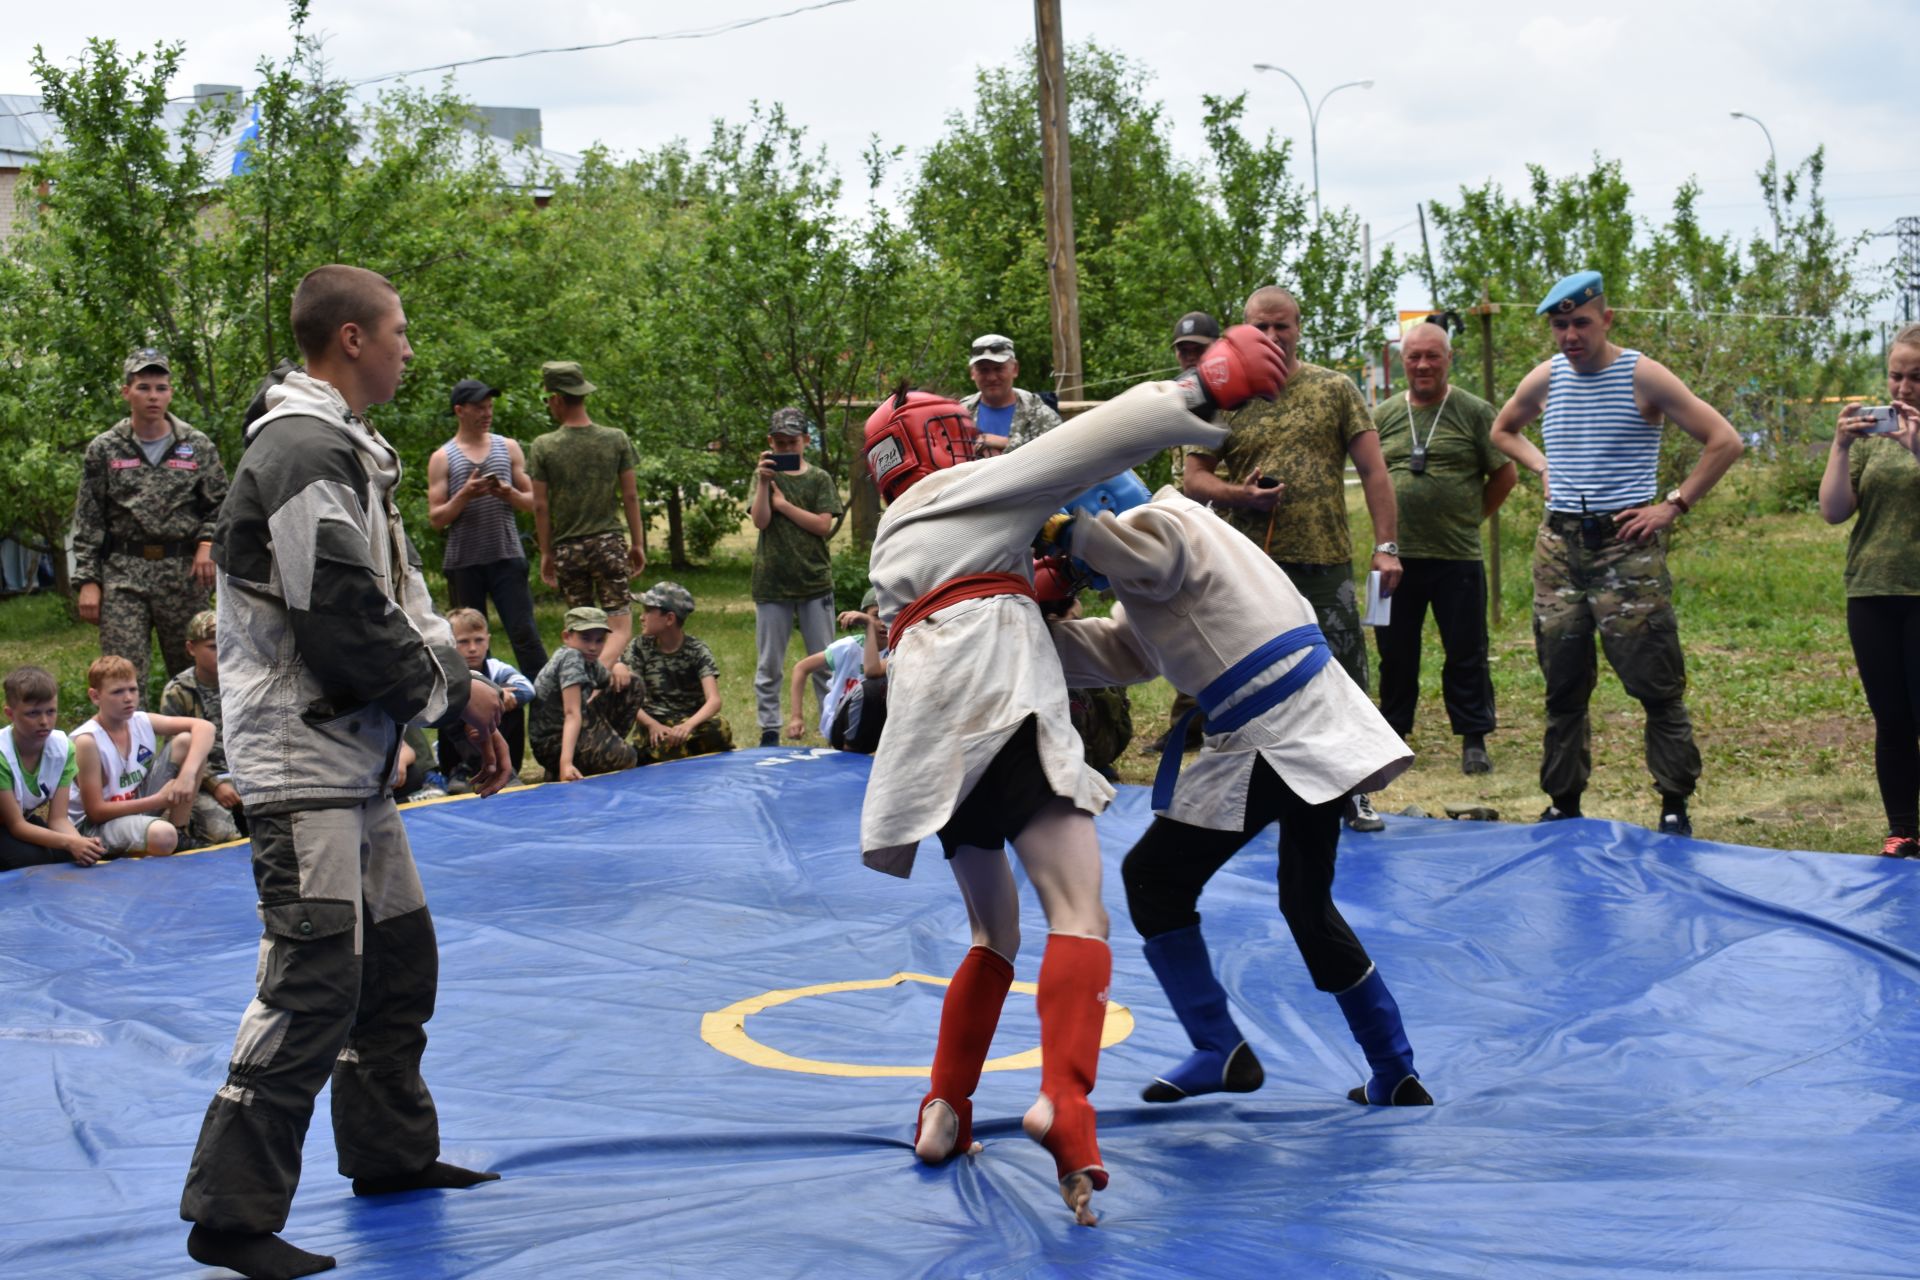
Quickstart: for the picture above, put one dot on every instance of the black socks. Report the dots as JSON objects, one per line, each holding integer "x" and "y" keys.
{"x": 260, "y": 1257}
{"x": 1675, "y": 805}
{"x": 1568, "y": 805}
{"x": 438, "y": 1174}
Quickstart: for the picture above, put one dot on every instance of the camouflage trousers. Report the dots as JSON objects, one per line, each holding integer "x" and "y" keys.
{"x": 1329, "y": 589}
{"x": 140, "y": 597}
{"x": 593, "y": 571}
{"x": 602, "y": 745}
{"x": 708, "y": 737}
{"x": 1621, "y": 590}
{"x": 1103, "y": 717}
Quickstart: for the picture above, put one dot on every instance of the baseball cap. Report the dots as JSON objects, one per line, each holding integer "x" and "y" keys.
{"x": 996, "y": 347}
{"x": 146, "y": 358}
{"x": 1197, "y": 327}
{"x": 566, "y": 377}
{"x": 870, "y": 599}
{"x": 790, "y": 421}
{"x": 670, "y": 596}
{"x": 472, "y": 391}
{"x": 586, "y": 618}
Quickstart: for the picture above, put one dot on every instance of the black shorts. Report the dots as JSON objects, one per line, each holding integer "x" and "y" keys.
{"x": 1006, "y": 797}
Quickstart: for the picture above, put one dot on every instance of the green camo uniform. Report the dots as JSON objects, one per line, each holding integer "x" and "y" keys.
{"x": 1882, "y": 559}
{"x": 672, "y": 693}
{"x": 581, "y": 468}
{"x": 788, "y": 562}
{"x": 1103, "y": 718}
{"x": 1301, "y": 439}
{"x": 1032, "y": 417}
{"x": 1622, "y": 590}
{"x": 1440, "y": 508}
{"x": 185, "y": 695}
{"x": 136, "y": 526}
{"x": 601, "y": 745}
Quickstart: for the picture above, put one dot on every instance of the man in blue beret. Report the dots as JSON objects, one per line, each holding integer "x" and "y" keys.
{"x": 1600, "y": 561}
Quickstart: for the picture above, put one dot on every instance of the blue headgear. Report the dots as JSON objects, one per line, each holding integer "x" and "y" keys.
{"x": 1116, "y": 494}
{"x": 1575, "y": 290}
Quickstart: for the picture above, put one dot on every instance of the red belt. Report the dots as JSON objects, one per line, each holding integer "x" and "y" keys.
{"x": 972, "y": 586}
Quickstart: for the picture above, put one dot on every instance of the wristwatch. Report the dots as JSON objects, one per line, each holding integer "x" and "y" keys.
{"x": 1387, "y": 549}
{"x": 1680, "y": 502}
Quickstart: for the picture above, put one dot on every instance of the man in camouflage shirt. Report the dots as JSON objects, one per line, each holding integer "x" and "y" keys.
{"x": 150, "y": 487}
{"x": 680, "y": 709}
{"x": 1281, "y": 480}
{"x": 1007, "y": 416}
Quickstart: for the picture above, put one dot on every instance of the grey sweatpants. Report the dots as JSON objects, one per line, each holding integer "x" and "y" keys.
{"x": 773, "y": 624}
{"x": 346, "y": 982}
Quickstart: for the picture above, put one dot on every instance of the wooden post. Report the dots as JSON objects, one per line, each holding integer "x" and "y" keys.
{"x": 1063, "y": 274}
{"x": 863, "y": 500}
{"x": 1485, "y": 309}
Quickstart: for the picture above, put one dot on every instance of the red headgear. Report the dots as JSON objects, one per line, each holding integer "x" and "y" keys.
{"x": 914, "y": 434}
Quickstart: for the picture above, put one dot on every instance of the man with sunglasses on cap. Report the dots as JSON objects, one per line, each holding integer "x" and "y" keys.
{"x": 150, "y": 488}
{"x": 1600, "y": 561}
{"x": 1283, "y": 484}
{"x": 1007, "y": 416}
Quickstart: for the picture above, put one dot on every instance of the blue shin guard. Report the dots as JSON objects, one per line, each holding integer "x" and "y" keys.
{"x": 1375, "y": 1021}
{"x": 1222, "y": 1061}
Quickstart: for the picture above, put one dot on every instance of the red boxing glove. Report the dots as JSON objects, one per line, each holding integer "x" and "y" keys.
{"x": 1242, "y": 364}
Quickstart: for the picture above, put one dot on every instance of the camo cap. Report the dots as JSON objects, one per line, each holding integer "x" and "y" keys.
{"x": 668, "y": 596}
{"x": 565, "y": 377}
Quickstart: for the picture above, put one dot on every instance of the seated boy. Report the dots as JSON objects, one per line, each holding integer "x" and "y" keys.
{"x": 130, "y": 794}
{"x": 578, "y": 725}
{"x": 459, "y": 758}
{"x": 679, "y": 712}
{"x": 36, "y": 779}
{"x": 194, "y": 694}
{"x": 849, "y": 663}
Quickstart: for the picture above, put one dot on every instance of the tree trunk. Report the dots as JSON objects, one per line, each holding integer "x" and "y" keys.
{"x": 863, "y": 500}
{"x": 676, "y": 531}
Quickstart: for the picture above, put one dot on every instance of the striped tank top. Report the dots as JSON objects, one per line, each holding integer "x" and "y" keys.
{"x": 485, "y": 531}
{"x": 1599, "y": 447}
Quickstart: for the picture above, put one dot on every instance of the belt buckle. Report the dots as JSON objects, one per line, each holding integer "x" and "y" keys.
{"x": 153, "y": 551}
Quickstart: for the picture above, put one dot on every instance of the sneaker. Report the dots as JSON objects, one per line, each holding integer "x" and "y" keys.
{"x": 1360, "y": 814}
{"x": 1155, "y": 747}
{"x": 1554, "y": 813}
{"x": 769, "y": 737}
{"x": 1675, "y": 824}
{"x": 1900, "y": 847}
{"x": 459, "y": 783}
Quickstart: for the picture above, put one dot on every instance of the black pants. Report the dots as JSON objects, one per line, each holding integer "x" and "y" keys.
{"x": 1886, "y": 643}
{"x": 1456, "y": 591}
{"x": 347, "y": 978}
{"x": 455, "y": 750}
{"x": 16, "y": 854}
{"x": 506, "y": 582}
{"x": 1165, "y": 872}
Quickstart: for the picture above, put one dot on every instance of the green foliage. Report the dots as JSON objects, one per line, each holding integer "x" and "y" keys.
{"x": 850, "y": 581}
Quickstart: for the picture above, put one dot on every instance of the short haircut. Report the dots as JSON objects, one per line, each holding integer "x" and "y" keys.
{"x": 572, "y": 402}
{"x": 1429, "y": 328}
{"x": 331, "y": 296}
{"x": 143, "y": 370}
{"x": 470, "y": 619}
{"x": 1271, "y": 295}
{"x": 202, "y": 626}
{"x": 27, "y": 685}
{"x": 1908, "y": 336}
{"x": 110, "y": 667}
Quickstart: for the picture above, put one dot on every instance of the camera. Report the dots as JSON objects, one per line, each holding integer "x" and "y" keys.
{"x": 784, "y": 461}
{"x": 1417, "y": 460}
{"x": 1880, "y": 419}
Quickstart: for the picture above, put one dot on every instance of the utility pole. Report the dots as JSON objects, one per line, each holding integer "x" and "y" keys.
{"x": 1426, "y": 255}
{"x": 1485, "y": 309}
{"x": 1063, "y": 274}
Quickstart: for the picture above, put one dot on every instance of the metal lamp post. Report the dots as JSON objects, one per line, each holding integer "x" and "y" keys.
{"x": 1313, "y": 119}
{"x": 1774, "y": 157}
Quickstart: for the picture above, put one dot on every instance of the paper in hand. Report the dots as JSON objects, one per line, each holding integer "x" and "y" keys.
{"x": 1379, "y": 608}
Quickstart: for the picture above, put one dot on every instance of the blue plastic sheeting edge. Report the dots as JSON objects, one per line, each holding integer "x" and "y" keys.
{"x": 1652, "y": 1056}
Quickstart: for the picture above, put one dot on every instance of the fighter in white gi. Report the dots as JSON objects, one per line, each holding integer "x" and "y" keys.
{"x": 1289, "y": 736}
{"x": 978, "y": 745}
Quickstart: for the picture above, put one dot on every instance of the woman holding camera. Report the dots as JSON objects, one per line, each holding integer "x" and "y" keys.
{"x": 1874, "y": 468}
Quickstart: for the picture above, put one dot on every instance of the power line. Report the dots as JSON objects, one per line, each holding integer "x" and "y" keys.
{"x": 690, "y": 33}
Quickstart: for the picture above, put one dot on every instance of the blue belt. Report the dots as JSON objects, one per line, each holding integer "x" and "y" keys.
{"x": 1244, "y": 712}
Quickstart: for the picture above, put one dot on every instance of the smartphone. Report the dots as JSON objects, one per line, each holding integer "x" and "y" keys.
{"x": 1266, "y": 482}
{"x": 785, "y": 461}
{"x": 1883, "y": 419}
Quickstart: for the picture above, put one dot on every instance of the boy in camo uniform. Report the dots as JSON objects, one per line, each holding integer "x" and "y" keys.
{"x": 794, "y": 507}
{"x": 195, "y": 693}
{"x": 680, "y": 709}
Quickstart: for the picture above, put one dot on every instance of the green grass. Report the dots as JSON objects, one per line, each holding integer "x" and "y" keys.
{"x": 1781, "y": 721}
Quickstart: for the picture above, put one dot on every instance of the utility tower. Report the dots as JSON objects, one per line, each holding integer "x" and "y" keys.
{"x": 1907, "y": 273}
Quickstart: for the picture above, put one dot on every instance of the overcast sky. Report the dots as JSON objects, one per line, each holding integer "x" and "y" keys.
{"x": 1462, "y": 92}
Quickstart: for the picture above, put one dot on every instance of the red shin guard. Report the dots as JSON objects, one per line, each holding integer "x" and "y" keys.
{"x": 1072, "y": 1002}
{"x": 968, "y": 1017}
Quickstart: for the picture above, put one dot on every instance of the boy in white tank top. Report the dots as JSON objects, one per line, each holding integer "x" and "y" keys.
{"x": 36, "y": 775}
{"x": 126, "y": 793}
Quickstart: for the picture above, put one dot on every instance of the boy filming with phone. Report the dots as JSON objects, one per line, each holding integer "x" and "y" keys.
{"x": 794, "y": 508}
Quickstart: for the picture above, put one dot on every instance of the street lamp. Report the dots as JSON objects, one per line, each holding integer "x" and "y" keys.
{"x": 1774, "y": 158}
{"x": 1313, "y": 119}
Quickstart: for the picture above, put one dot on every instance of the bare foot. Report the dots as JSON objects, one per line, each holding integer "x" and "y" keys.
{"x": 939, "y": 1133}
{"x": 1077, "y": 1190}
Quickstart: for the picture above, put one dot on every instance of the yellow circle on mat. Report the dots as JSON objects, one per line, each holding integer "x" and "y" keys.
{"x": 726, "y": 1030}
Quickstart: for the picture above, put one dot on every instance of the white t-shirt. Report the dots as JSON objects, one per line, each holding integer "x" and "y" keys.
{"x": 56, "y": 769}
{"x": 846, "y": 667}
{"x": 120, "y": 777}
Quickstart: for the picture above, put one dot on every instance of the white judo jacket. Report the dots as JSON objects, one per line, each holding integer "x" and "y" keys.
{"x": 964, "y": 679}
{"x": 1194, "y": 597}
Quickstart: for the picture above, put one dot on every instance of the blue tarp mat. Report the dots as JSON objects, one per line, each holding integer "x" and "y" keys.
{"x": 1652, "y": 1056}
